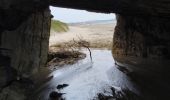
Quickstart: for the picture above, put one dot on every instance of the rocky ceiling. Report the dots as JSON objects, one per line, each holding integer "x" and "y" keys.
{"x": 13, "y": 12}
{"x": 133, "y": 7}
{"x": 127, "y": 7}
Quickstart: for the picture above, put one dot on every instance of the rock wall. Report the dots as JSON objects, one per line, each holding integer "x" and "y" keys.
{"x": 141, "y": 49}
{"x": 24, "y": 36}
{"x": 23, "y": 51}
{"x": 143, "y": 37}
{"x": 28, "y": 44}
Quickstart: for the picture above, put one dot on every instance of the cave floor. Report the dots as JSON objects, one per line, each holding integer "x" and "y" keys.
{"x": 88, "y": 79}
{"x": 103, "y": 79}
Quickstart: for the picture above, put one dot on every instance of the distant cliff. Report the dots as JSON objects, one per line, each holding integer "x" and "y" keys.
{"x": 94, "y": 22}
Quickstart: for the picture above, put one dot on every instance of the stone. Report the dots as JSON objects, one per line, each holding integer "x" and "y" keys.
{"x": 28, "y": 43}
{"x": 55, "y": 96}
{"x": 13, "y": 92}
{"x": 61, "y": 86}
{"x": 125, "y": 7}
{"x": 141, "y": 37}
{"x": 24, "y": 38}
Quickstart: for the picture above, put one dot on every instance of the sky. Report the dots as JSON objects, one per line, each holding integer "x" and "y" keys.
{"x": 72, "y": 15}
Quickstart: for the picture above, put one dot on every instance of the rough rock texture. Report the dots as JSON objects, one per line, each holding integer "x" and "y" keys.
{"x": 23, "y": 51}
{"x": 24, "y": 36}
{"x": 141, "y": 45}
{"x": 14, "y": 12}
{"x": 125, "y": 7}
{"x": 13, "y": 92}
{"x": 146, "y": 37}
{"x": 28, "y": 44}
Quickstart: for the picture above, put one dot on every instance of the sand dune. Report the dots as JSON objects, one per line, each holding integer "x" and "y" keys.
{"x": 98, "y": 35}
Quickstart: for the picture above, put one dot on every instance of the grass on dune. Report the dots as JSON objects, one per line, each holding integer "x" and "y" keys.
{"x": 59, "y": 26}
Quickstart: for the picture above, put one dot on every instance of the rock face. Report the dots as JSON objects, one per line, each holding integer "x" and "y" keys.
{"x": 13, "y": 12}
{"x": 28, "y": 44}
{"x": 23, "y": 51}
{"x": 145, "y": 37}
{"x": 142, "y": 46}
{"x": 24, "y": 36}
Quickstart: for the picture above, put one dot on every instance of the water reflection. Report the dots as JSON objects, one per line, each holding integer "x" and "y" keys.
{"x": 87, "y": 80}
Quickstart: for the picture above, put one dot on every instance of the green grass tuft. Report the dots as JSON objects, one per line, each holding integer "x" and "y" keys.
{"x": 59, "y": 26}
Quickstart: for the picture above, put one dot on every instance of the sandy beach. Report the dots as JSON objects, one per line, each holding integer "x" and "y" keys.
{"x": 99, "y": 35}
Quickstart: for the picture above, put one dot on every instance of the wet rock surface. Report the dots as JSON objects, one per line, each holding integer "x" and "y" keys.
{"x": 55, "y": 96}
{"x": 61, "y": 86}
{"x": 119, "y": 95}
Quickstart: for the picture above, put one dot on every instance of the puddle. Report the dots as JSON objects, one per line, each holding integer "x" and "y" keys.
{"x": 86, "y": 79}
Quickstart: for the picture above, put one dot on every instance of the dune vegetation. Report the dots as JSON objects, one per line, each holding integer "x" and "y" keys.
{"x": 58, "y": 26}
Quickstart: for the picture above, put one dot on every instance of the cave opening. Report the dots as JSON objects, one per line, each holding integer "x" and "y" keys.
{"x": 141, "y": 50}
{"x": 73, "y": 30}
{"x": 75, "y": 33}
